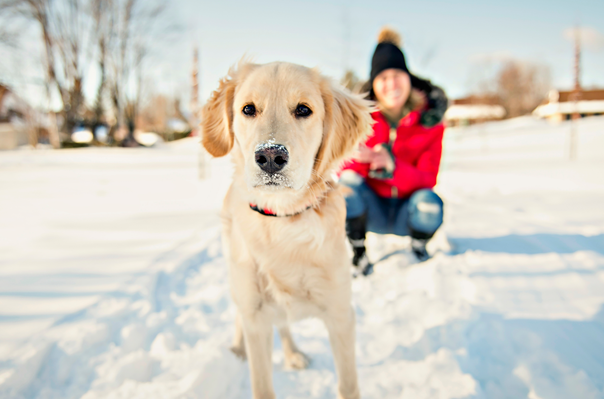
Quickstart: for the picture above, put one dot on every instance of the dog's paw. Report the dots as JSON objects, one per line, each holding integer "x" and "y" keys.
{"x": 354, "y": 395}
{"x": 296, "y": 361}
{"x": 239, "y": 352}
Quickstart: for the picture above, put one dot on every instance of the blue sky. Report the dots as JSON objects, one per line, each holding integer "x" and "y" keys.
{"x": 451, "y": 43}
{"x": 445, "y": 41}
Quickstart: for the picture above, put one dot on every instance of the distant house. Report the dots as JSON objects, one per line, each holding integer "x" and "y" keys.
{"x": 473, "y": 109}
{"x": 13, "y": 113}
{"x": 562, "y": 105}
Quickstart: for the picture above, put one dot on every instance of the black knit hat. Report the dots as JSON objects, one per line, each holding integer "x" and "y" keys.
{"x": 387, "y": 54}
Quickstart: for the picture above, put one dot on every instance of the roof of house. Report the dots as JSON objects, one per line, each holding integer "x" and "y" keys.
{"x": 4, "y": 114}
{"x": 476, "y": 99}
{"x": 587, "y": 95}
{"x": 580, "y": 107}
{"x": 474, "y": 111}
{"x": 3, "y": 90}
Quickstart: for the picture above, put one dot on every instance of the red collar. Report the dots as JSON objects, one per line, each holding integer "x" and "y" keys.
{"x": 269, "y": 212}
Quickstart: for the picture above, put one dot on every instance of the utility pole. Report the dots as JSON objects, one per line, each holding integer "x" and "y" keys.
{"x": 203, "y": 166}
{"x": 576, "y": 97}
{"x": 194, "y": 105}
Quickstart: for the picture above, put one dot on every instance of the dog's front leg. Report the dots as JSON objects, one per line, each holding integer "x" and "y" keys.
{"x": 238, "y": 347}
{"x": 294, "y": 359}
{"x": 258, "y": 331}
{"x": 342, "y": 336}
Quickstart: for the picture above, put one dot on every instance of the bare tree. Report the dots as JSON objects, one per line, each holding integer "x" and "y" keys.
{"x": 8, "y": 33}
{"x": 38, "y": 12}
{"x": 156, "y": 114}
{"x": 103, "y": 23}
{"x": 521, "y": 87}
{"x": 516, "y": 85}
{"x": 74, "y": 40}
{"x": 65, "y": 34}
{"x": 352, "y": 82}
{"x": 116, "y": 35}
{"x": 137, "y": 27}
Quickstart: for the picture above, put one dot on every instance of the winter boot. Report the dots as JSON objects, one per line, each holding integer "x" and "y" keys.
{"x": 418, "y": 245}
{"x": 356, "y": 230}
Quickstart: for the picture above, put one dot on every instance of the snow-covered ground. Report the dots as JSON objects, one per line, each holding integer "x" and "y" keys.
{"x": 113, "y": 285}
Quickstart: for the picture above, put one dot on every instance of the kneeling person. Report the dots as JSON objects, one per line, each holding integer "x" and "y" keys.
{"x": 392, "y": 175}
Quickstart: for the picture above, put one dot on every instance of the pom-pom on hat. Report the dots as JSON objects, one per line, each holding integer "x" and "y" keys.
{"x": 388, "y": 53}
{"x": 389, "y": 35}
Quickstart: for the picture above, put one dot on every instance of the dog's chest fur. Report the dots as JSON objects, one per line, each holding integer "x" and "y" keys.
{"x": 299, "y": 260}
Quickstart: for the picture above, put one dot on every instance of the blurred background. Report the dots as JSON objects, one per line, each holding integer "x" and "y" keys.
{"x": 112, "y": 279}
{"x": 108, "y": 67}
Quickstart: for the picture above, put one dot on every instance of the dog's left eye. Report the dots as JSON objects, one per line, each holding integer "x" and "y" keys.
{"x": 302, "y": 111}
{"x": 249, "y": 110}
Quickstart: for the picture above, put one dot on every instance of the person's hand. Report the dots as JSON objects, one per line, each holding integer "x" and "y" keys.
{"x": 381, "y": 159}
{"x": 363, "y": 154}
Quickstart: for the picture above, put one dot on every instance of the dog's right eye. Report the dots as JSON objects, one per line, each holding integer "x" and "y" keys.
{"x": 302, "y": 111}
{"x": 249, "y": 110}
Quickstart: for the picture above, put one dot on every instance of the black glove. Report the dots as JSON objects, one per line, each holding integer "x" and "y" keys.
{"x": 383, "y": 173}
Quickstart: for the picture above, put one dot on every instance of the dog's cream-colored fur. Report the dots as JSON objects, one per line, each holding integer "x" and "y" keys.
{"x": 289, "y": 267}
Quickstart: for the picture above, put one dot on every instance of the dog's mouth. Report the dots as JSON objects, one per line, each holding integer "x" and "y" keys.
{"x": 272, "y": 181}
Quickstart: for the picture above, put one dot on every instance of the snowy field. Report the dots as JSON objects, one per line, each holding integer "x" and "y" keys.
{"x": 113, "y": 285}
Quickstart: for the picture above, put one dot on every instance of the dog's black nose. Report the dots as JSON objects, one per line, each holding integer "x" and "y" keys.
{"x": 271, "y": 157}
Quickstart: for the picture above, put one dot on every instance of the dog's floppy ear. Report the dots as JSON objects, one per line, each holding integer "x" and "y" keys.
{"x": 217, "y": 118}
{"x": 217, "y": 115}
{"x": 347, "y": 122}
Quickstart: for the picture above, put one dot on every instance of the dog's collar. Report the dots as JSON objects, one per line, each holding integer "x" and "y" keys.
{"x": 269, "y": 212}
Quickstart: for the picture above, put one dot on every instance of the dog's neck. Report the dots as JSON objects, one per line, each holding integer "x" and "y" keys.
{"x": 312, "y": 198}
{"x": 269, "y": 212}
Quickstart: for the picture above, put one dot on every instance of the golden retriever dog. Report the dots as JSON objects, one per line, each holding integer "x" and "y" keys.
{"x": 283, "y": 217}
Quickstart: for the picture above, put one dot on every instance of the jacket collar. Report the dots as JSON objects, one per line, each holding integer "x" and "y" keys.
{"x": 412, "y": 118}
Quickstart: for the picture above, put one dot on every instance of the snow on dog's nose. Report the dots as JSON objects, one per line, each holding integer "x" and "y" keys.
{"x": 271, "y": 158}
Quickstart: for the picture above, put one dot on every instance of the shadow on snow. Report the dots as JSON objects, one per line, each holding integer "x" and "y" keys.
{"x": 532, "y": 244}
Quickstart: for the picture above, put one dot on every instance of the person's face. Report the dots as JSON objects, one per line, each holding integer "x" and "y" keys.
{"x": 392, "y": 88}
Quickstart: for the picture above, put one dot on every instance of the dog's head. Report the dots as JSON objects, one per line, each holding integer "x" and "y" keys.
{"x": 290, "y": 124}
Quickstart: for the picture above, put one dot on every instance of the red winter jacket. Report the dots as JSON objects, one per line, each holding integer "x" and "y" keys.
{"x": 416, "y": 149}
